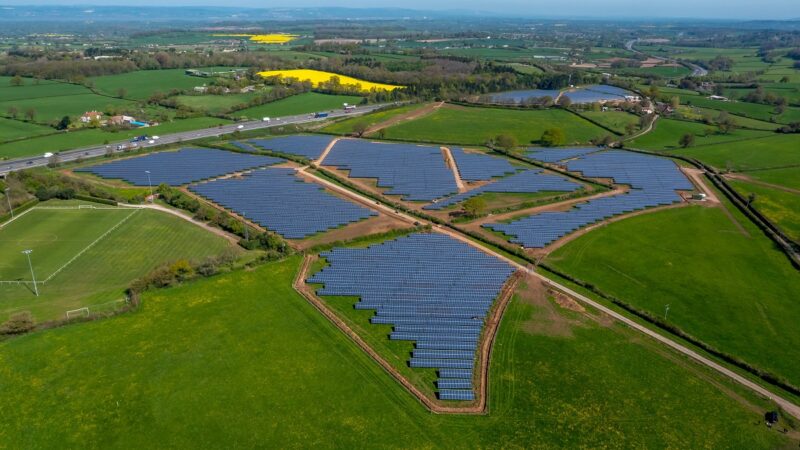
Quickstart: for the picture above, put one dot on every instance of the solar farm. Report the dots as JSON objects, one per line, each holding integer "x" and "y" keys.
{"x": 653, "y": 181}
{"x": 432, "y": 289}
{"x": 261, "y": 197}
{"x": 306, "y": 146}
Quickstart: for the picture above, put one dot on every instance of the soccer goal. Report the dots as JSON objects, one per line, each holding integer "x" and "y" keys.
{"x": 86, "y": 206}
{"x": 80, "y": 312}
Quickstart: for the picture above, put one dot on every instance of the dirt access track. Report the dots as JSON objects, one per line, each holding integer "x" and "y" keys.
{"x": 411, "y": 115}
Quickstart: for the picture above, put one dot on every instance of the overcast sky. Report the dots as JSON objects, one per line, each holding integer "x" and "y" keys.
{"x": 724, "y": 9}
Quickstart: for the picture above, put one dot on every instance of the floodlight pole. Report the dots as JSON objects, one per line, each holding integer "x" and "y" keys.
{"x": 8, "y": 197}
{"x": 666, "y": 311}
{"x": 33, "y": 277}
{"x": 149, "y": 184}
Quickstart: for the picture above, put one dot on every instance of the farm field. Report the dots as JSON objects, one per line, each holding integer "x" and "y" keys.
{"x": 215, "y": 103}
{"x": 615, "y": 120}
{"x": 781, "y": 207}
{"x": 299, "y": 104}
{"x": 52, "y": 109}
{"x": 667, "y": 132}
{"x": 317, "y": 77}
{"x": 31, "y": 90}
{"x": 347, "y": 126}
{"x": 752, "y": 110}
{"x": 15, "y": 129}
{"x": 788, "y": 177}
{"x": 291, "y": 360}
{"x": 474, "y": 126}
{"x": 89, "y": 137}
{"x": 696, "y": 113}
{"x": 142, "y": 240}
{"x": 676, "y": 257}
{"x": 775, "y": 150}
{"x": 142, "y": 84}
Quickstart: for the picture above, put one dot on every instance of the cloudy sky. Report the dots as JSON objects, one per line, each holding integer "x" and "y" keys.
{"x": 724, "y": 9}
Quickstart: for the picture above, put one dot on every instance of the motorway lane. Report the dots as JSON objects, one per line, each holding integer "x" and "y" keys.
{"x": 100, "y": 150}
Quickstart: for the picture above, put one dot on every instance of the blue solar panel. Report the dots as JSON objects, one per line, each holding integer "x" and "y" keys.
{"x": 455, "y": 373}
{"x": 597, "y": 93}
{"x": 456, "y": 394}
{"x": 454, "y": 383}
{"x": 307, "y": 146}
{"x": 177, "y": 168}
{"x": 480, "y": 166}
{"x": 417, "y": 173}
{"x": 653, "y": 181}
{"x": 529, "y": 181}
{"x": 420, "y": 284}
{"x": 278, "y": 200}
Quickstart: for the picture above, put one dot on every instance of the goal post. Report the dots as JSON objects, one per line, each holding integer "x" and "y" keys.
{"x": 80, "y": 312}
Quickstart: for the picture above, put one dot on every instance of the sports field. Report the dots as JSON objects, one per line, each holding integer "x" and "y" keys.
{"x": 84, "y": 257}
{"x": 725, "y": 281}
{"x": 89, "y": 137}
{"x": 260, "y": 354}
{"x": 475, "y": 126}
{"x": 299, "y": 104}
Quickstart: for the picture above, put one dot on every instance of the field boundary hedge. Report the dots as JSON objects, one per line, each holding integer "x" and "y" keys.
{"x": 18, "y": 210}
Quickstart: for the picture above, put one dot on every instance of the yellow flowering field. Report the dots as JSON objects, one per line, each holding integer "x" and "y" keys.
{"x": 275, "y": 38}
{"x": 316, "y": 77}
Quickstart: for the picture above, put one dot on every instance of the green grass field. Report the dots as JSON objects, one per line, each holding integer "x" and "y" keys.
{"x": 788, "y": 177}
{"x": 215, "y": 103}
{"x": 696, "y": 113}
{"x": 775, "y": 150}
{"x": 474, "y": 126}
{"x": 781, "y": 207}
{"x": 242, "y": 360}
{"x": 52, "y": 109}
{"x": 725, "y": 282}
{"x": 142, "y": 84}
{"x": 667, "y": 133}
{"x": 89, "y": 137}
{"x": 138, "y": 245}
{"x": 615, "y": 120}
{"x": 299, "y": 104}
{"x": 31, "y": 90}
{"x": 16, "y": 129}
{"x": 347, "y": 126}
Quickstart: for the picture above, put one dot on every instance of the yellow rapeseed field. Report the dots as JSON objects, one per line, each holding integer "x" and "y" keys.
{"x": 275, "y": 38}
{"x": 316, "y": 77}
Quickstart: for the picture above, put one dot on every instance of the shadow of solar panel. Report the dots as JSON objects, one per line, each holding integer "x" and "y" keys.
{"x": 276, "y": 199}
{"x": 527, "y": 182}
{"x": 417, "y": 173}
{"x": 653, "y": 181}
{"x": 307, "y": 146}
{"x": 184, "y": 166}
{"x": 427, "y": 286}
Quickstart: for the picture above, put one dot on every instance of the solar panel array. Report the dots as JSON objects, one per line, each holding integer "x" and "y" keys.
{"x": 653, "y": 181}
{"x": 433, "y": 290}
{"x": 480, "y": 166}
{"x": 554, "y": 155}
{"x": 185, "y": 166}
{"x": 596, "y": 93}
{"x": 278, "y": 200}
{"x": 307, "y": 146}
{"x": 244, "y": 146}
{"x": 417, "y": 173}
{"x": 529, "y": 181}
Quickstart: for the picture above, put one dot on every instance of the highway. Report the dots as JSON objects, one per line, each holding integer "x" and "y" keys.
{"x": 186, "y": 136}
{"x": 697, "y": 71}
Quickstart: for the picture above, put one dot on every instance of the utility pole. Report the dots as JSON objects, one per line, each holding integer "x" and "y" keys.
{"x": 666, "y": 311}
{"x": 149, "y": 184}
{"x": 33, "y": 277}
{"x": 8, "y": 197}
{"x": 244, "y": 225}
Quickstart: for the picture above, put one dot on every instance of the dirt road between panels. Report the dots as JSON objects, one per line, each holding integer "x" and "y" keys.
{"x": 451, "y": 164}
{"x": 411, "y": 115}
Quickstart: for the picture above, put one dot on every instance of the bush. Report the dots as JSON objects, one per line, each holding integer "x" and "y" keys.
{"x": 19, "y": 323}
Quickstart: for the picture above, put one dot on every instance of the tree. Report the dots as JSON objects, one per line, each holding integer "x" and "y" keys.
{"x": 30, "y": 114}
{"x": 675, "y": 102}
{"x": 63, "y": 124}
{"x": 553, "y": 137}
{"x": 725, "y": 122}
{"x": 360, "y": 128}
{"x": 630, "y": 128}
{"x": 18, "y": 323}
{"x": 751, "y": 198}
{"x": 474, "y": 206}
{"x": 16, "y": 80}
{"x": 686, "y": 140}
{"x": 122, "y": 92}
{"x": 506, "y": 141}
{"x": 13, "y": 111}
{"x": 564, "y": 102}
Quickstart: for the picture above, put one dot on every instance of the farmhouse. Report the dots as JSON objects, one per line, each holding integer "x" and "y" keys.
{"x": 90, "y": 116}
{"x": 718, "y": 98}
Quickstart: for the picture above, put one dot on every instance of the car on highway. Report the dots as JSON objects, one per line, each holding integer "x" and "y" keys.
{"x": 48, "y": 155}
{"x": 240, "y": 127}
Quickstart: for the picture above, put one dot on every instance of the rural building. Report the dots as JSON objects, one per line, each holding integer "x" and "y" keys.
{"x": 90, "y": 116}
{"x": 718, "y": 98}
{"x": 120, "y": 120}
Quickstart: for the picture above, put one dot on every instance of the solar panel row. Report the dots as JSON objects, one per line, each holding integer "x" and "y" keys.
{"x": 529, "y": 181}
{"x": 417, "y": 173}
{"x": 432, "y": 289}
{"x": 653, "y": 181}
{"x": 278, "y": 200}
{"x": 307, "y": 146}
{"x": 480, "y": 166}
{"x": 185, "y": 166}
